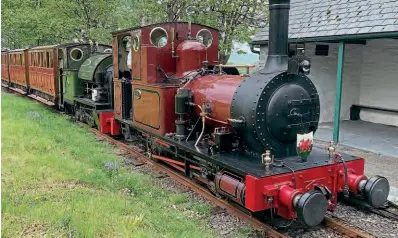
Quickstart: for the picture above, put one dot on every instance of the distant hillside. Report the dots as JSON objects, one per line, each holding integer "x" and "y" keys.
{"x": 248, "y": 58}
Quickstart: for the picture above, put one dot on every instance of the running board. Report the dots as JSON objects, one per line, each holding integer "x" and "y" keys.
{"x": 18, "y": 90}
{"x": 40, "y": 99}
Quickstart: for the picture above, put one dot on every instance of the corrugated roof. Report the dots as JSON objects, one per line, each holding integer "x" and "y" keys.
{"x": 320, "y": 18}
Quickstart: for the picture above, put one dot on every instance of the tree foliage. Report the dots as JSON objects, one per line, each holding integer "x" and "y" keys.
{"x": 38, "y": 22}
{"x": 237, "y": 20}
{"x": 27, "y": 23}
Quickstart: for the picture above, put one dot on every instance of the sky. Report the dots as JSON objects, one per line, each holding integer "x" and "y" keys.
{"x": 242, "y": 46}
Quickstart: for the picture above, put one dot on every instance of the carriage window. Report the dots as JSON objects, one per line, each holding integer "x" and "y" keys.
{"x": 136, "y": 43}
{"x": 76, "y": 54}
{"x": 35, "y": 59}
{"x": 50, "y": 60}
{"x": 45, "y": 59}
{"x": 158, "y": 37}
{"x": 126, "y": 43}
{"x": 204, "y": 36}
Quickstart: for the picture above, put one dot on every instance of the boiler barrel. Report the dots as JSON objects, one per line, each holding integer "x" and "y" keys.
{"x": 217, "y": 92}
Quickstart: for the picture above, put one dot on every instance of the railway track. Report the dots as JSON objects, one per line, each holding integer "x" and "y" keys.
{"x": 389, "y": 210}
{"x": 329, "y": 222}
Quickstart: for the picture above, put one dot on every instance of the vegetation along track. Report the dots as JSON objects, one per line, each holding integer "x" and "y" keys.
{"x": 329, "y": 222}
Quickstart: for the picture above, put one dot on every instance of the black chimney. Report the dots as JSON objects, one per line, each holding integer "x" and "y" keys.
{"x": 278, "y": 36}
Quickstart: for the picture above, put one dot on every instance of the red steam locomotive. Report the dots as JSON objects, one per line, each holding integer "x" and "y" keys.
{"x": 247, "y": 138}
{"x": 238, "y": 135}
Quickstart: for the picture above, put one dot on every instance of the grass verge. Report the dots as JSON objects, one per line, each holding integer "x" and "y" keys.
{"x": 57, "y": 180}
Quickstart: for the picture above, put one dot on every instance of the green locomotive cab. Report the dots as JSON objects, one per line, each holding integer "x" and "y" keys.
{"x": 95, "y": 74}
{"x": 86, "y": 80}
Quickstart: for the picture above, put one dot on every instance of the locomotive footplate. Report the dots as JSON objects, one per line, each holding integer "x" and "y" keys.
{"x": 95, "y": 105}
{"x": 244, "y": 164}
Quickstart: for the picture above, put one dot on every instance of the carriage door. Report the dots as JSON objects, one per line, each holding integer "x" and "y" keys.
{"x": 127, "y": 77}
{"x": 135, "y": 64}
{"x": 59, "y": 63}
{"x": 117, "y": 91}
{"x": 57, "y": 75}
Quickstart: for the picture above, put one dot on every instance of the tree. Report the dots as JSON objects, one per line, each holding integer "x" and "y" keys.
{"x": 31, "y": 23}
{"x": 39, "y": 22}
{"x": 237, "y": 20}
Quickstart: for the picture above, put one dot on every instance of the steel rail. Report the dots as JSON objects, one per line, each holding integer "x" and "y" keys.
{"x": 339, "y": 226}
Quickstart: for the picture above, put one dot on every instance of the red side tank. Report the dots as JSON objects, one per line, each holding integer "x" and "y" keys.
{"x": 217, "y": 91}
{"x": 191, "y": 54}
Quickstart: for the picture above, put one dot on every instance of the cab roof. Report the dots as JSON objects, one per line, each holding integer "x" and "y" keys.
{"x": 160, "y": 24}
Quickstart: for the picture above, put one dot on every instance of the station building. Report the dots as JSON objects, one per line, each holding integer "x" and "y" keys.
{"x": 353, "y": 46}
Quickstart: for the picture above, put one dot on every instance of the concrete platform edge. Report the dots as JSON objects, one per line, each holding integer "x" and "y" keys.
{"x": 393, "y": 196}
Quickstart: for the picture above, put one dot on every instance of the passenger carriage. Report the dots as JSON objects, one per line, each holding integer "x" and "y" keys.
{"x": 43, "y": 74}
{"x": 18, "y": 70}
{"x": 5, "y": 79}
